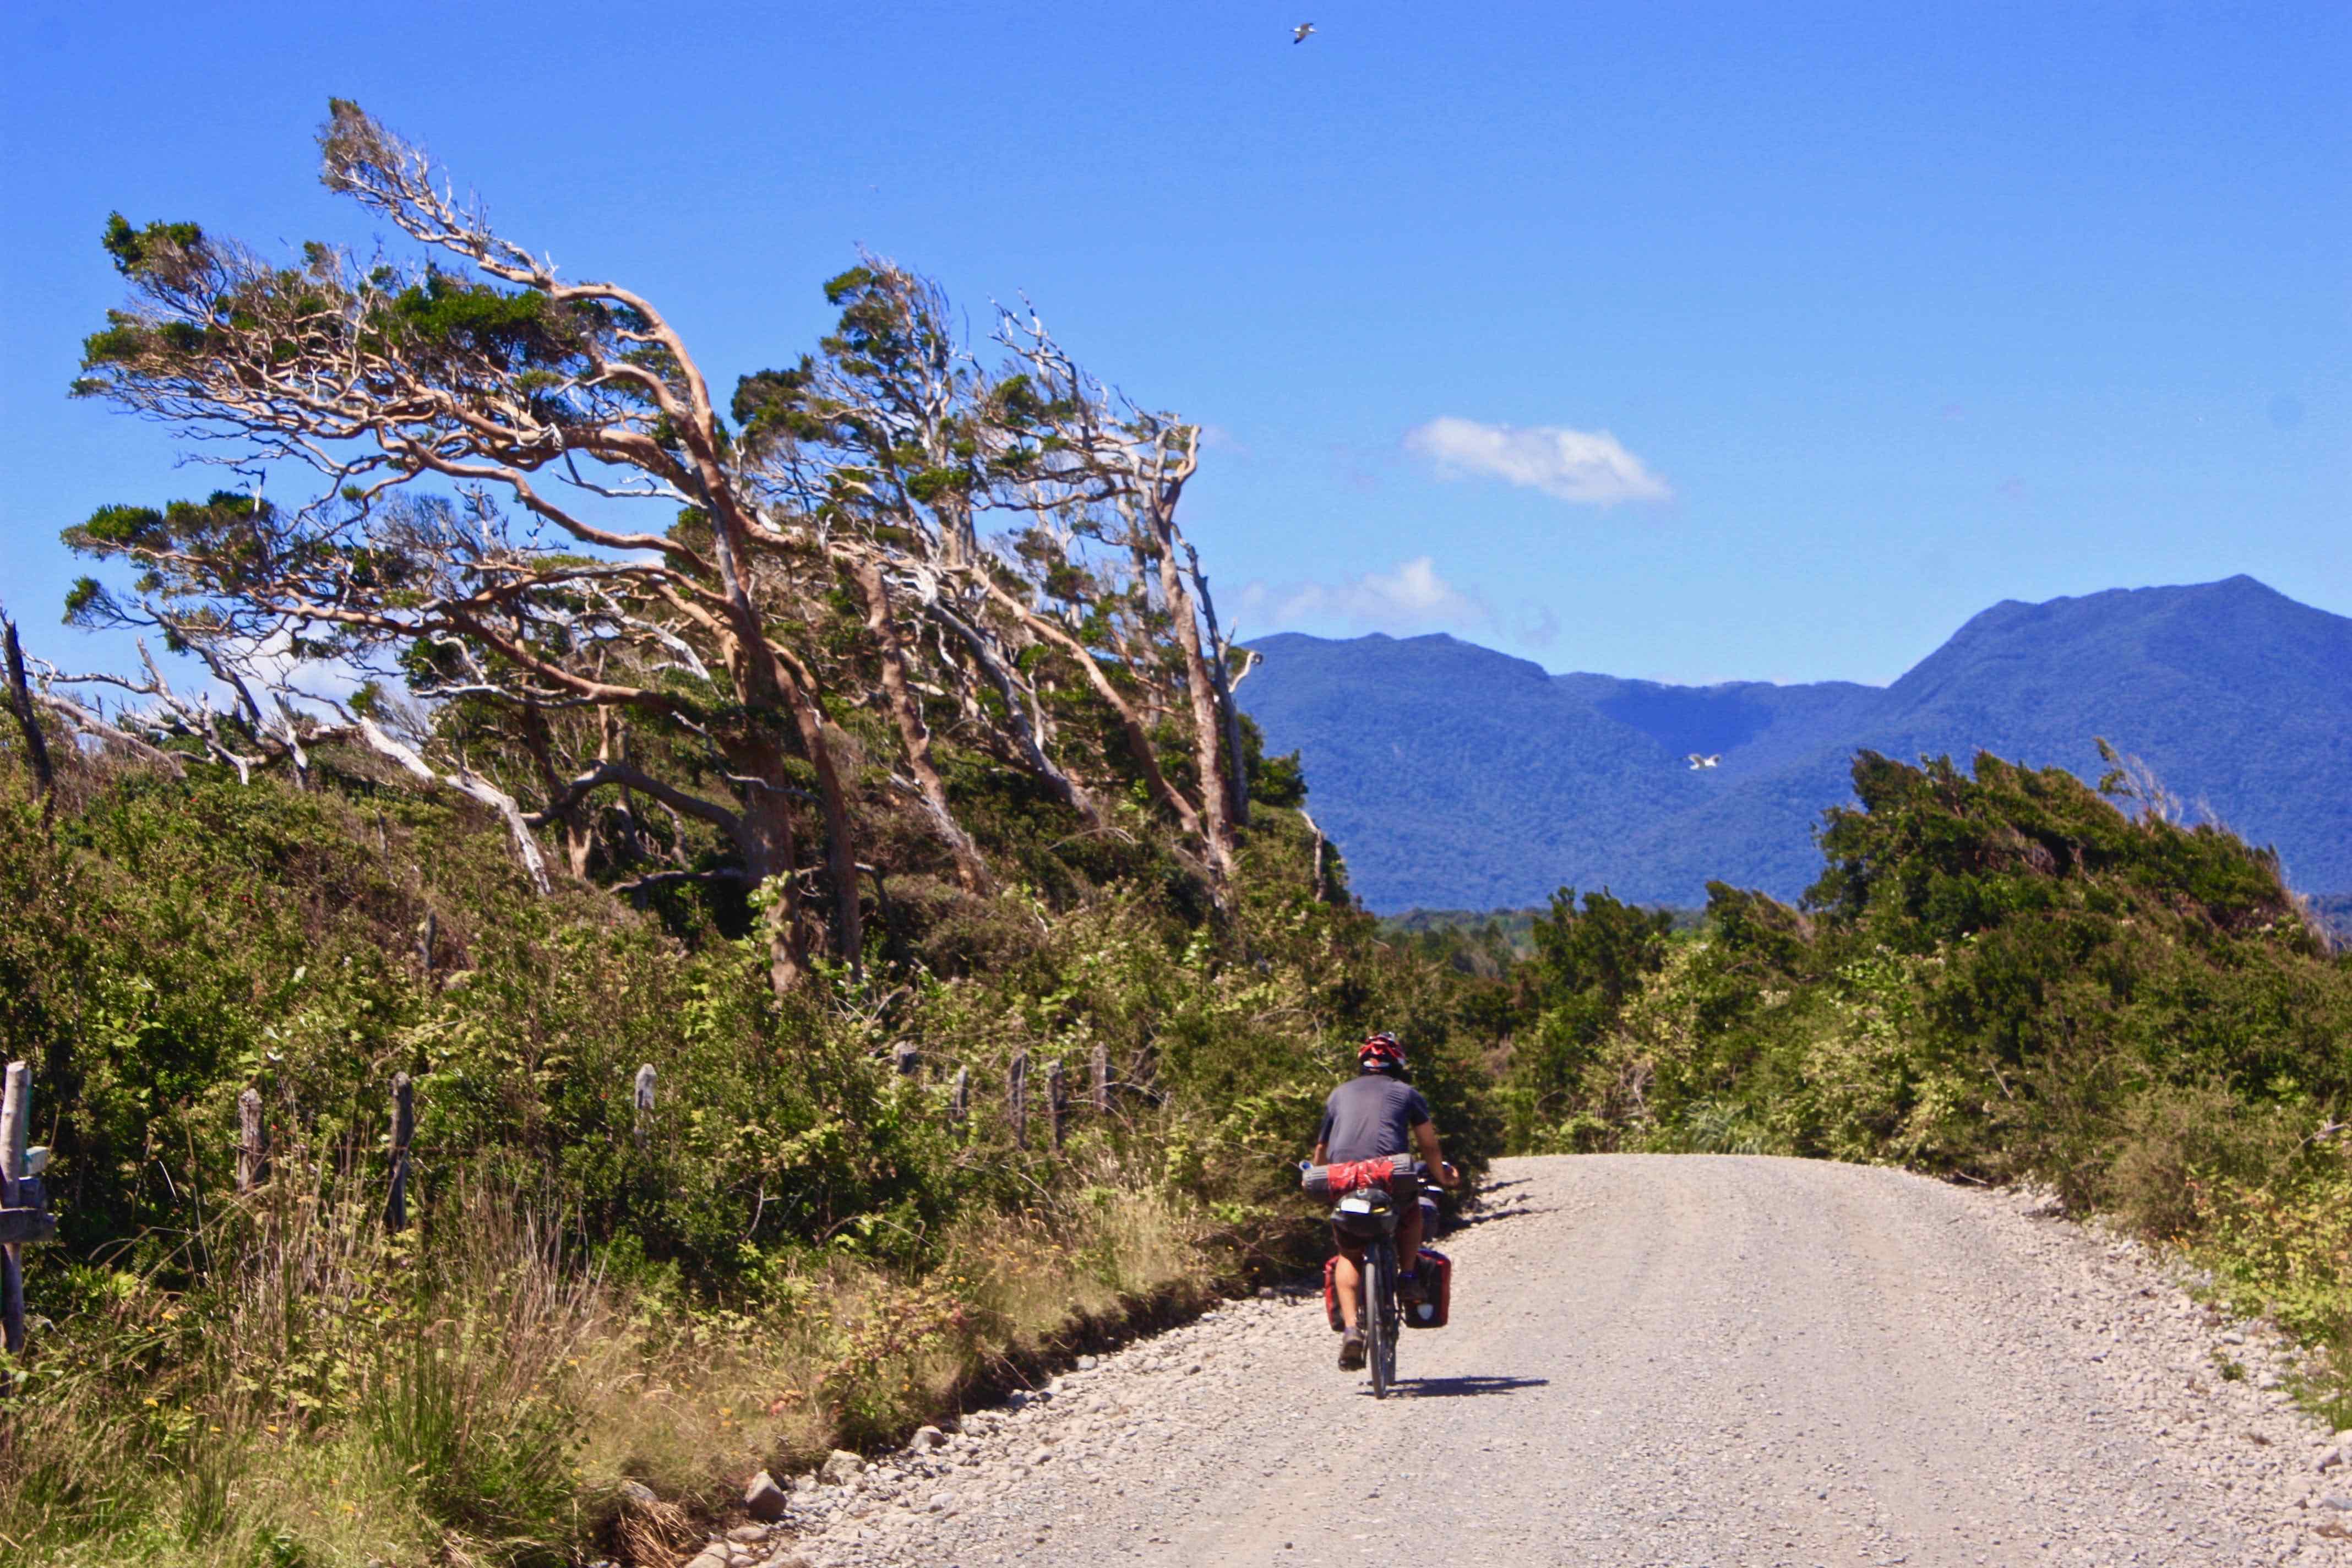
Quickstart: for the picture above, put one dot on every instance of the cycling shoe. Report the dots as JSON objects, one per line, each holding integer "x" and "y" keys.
{"x": 1351, "y": 1350}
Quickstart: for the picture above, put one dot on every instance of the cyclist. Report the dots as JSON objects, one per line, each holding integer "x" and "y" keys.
{"x": 1373, "y": 1116}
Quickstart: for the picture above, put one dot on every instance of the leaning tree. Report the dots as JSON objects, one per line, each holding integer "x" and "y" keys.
{"x": 523, "y": 504}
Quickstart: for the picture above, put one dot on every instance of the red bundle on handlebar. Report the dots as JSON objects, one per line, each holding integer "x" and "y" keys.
{"x": 1337, "y": 1179}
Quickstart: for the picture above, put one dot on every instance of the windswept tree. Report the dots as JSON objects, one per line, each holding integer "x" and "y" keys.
{"x": 897, "y": 444}
{"x": 515, "y": 495}
{"x": 1114, "y": 583}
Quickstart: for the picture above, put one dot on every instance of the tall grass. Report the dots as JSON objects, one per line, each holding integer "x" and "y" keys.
{"x": 478, "y": 1391}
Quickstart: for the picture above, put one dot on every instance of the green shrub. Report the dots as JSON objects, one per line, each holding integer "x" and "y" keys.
{"x": 581, "y": 1296}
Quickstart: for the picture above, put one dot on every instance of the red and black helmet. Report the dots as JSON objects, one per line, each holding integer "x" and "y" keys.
{"x": 1381, "y": 1053}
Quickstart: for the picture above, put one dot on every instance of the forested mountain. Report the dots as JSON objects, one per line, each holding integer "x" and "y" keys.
{"x": 1458, "y": 776}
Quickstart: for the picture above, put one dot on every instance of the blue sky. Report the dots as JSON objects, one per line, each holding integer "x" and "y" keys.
{"x": 1685, "y": 342}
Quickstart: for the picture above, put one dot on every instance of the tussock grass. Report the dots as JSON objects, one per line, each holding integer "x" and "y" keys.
{"x": 478, "y": 1392}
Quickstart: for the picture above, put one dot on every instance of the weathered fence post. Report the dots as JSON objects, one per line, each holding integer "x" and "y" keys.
{"x": 1017, "y": 1097}
{"x": 15, "y": 1111}
{"x": 1057, "y": 1100}
{"x": 23, "y": 1210}
{"x": 252, "y": 1142}
{"x": 643, "y": 1098}
{"x": 907, "y": 1057}
{"x": 404, "y": 1128}
{"x": 426, "y": 937}
{"x": 1101, "y": 1079}
{"x": 959, "y": 1108}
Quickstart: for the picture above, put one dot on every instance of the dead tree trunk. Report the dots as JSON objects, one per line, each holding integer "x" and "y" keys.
{"x": 1221, "y": 677}
{"x": 1208, "y": 728}
{"x": 20, "y": 702}
{"x": 1322, "y": 884}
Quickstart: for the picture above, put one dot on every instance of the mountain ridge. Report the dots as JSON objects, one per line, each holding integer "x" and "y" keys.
{"x": 1455, "y": 775}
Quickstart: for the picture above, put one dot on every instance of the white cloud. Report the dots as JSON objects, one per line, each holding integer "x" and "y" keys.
{"x": 1414, "y": 596}
{"x": 1589, "y": 467}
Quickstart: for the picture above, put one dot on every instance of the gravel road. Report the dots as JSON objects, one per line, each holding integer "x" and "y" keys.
{"x": 1653, "y": 1361}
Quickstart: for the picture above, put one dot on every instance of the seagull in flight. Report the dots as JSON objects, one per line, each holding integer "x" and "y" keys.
{"x": 1698, "y": 761}
{"x": 1298, "y": 33}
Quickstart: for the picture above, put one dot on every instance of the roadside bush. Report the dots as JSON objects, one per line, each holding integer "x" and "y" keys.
{"x": 800, "y": 1246}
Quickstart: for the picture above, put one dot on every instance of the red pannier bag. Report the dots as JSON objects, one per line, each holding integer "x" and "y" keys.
{"x": 1436, "y": 1272}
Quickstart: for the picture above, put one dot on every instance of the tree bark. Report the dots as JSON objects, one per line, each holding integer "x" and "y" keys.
{"x": 792, "y": 683}
{"x": 906, "y": 712}
{"x": 1221, "y": 672}
{"x": 1216, "y": 832}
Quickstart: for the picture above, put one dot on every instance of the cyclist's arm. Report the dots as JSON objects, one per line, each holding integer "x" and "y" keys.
{"x": 1426, "y": 1136}
{"x": 1322, "y": 1152}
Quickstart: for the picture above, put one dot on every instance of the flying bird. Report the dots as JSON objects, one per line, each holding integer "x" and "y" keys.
{"x": 1698, "y": 761}
{"x": 1298, "y": 33}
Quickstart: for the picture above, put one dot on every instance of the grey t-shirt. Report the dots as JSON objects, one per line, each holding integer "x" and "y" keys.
{"x": 1370, "y": 1117}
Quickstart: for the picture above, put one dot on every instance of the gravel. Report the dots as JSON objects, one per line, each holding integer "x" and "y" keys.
{"x": 1660, "y": 1361}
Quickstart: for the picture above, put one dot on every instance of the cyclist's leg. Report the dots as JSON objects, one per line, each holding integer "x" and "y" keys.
{"x": 1408, "y": 1232}
{"x": 1346, "y": 1280}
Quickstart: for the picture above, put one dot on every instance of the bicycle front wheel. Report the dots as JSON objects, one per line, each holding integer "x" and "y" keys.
{"x": 1391, "y": 1317}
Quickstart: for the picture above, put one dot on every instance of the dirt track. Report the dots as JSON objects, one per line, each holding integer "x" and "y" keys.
{"x": 1685, "y": 1360}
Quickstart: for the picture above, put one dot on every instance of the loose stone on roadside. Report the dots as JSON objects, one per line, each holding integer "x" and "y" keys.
{"x": 763, "y": 1499}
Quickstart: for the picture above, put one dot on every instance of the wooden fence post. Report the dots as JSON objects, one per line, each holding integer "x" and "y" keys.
{"x": 252, "y": 1142}
{"x": 959, "y": 1108}
{"x": 24, "y": 1209}
{"x": 1057, "y": 1100}
{"x": 427, "y": 937}
{"x": 1101, "y": 1079}
{"x": 15, "y": 1111}
{"x": 1017, "y": 1095}
{"x": 404, "y": 1128}
{"x": 645, "y": 1103}
{"x": 907, "y": 1059}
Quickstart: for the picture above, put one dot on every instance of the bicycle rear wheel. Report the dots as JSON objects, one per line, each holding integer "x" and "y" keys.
{"x": 1380, "y": 1290}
